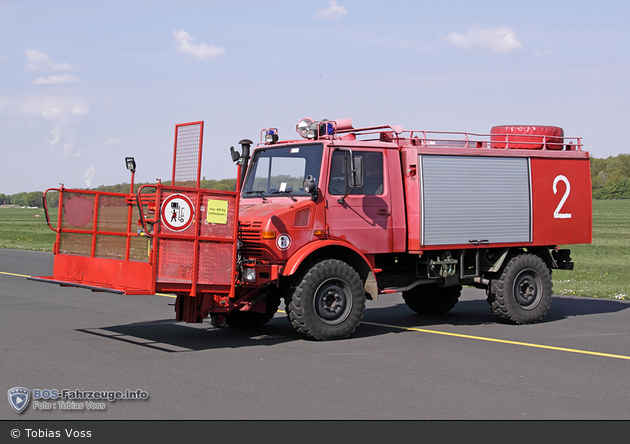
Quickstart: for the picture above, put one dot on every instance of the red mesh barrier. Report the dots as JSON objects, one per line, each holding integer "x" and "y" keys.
{"x": 175, "y": 260}
{"x": 78, "y": 211}
{"x": 112, "y": 214}
{"x": 111, "y": 246}
{"x": 216, "y": 262}
{"x": 75, "y": 243}
{"x": 218, "y": 225}
{"x": 213, "y": 227}
{"x": 139, "y": 249}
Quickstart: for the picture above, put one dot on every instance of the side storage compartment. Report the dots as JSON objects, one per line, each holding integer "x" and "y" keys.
{"x": 467, "y": 200}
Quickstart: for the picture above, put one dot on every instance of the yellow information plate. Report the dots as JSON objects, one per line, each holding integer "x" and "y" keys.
{"x": 217, "y": 211}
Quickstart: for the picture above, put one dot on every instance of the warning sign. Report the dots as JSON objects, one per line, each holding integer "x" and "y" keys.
{"x": 177, "y": 212}
{"x": 217, "y": 211}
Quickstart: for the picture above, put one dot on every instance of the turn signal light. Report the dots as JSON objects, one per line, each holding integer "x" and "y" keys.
{"x": 269, "y": 234}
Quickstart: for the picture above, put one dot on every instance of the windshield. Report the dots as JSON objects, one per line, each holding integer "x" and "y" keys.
{"x": 282, "y": 170}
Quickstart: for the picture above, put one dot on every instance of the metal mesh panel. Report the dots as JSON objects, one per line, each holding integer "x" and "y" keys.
{"x": 301, "y": 217}
{"x": 175, "y": 263}
{"x": 78, "y": 211}
{"x": 139, "y": 249}
{"x": 224, "y": 228}
{"x": 215, "y": 263}
{"x": 111, "y": 246}
{"x": 112, "y": 214}
{"x": 187, "y": 154}
{"x": 73, "y": 243}
{"x": 216, "y": 217}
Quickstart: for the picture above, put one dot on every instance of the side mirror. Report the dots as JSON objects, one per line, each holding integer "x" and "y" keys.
{"x": 310, "y": 186}
{"x": 356, "y": 172}
{"x": 236, "y": 156}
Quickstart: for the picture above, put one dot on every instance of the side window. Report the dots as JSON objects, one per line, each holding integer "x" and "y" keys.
{"x": 372, "y": 173}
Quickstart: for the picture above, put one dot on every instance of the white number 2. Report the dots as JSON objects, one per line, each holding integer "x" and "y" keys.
{"x": 557, "y": 214}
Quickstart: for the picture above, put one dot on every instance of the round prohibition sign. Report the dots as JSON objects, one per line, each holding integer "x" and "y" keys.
{"x": 177, "y": 212}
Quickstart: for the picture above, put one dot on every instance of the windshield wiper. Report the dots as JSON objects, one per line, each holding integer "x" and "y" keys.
{"x": 286, "y": 193}
{"x": 258, "y": 192}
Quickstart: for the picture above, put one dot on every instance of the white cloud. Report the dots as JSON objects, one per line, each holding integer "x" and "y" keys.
{"x": 67, "y": 148}
{"x": 53, "y": 108}
{"x": 64, "y": 115}
{"x": 497, "y": 40}
{"x": 55, "y": 137}
{"x": 539, "y": 53}
{"x": 111, "y": 142}
{"x": 88, "y": 175}
{"x": 38, "y": 61}
{"x": 333, "y": 12}
{"x": 184, "y": 43}
{"x": 56, "y": 79}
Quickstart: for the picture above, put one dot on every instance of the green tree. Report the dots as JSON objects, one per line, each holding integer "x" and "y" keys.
{"x": 34, "y": 199}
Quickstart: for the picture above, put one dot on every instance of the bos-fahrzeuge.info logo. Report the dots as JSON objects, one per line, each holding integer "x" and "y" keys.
{"x": 65, "y": 399}
{"x": 19, "y": 398}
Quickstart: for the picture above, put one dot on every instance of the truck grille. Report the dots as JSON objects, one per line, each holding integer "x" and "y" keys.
{"x": 250, "y": 236}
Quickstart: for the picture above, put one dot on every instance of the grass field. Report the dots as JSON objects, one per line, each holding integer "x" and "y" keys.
{"x": 25, "y": 229}
{"x": 601, "y": 268}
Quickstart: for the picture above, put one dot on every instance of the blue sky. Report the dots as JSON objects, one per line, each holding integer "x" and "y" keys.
{"x": 85, "y": 83}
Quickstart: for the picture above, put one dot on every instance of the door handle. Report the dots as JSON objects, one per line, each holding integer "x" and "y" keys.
{"x": 383, "y": 212}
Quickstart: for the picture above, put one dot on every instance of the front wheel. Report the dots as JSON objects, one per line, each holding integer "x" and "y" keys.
{"x": 522, "y": 294}
{"x": 329, "y": 301}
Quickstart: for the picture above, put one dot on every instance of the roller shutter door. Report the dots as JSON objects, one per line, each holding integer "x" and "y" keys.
{"x": 468, "y": 199}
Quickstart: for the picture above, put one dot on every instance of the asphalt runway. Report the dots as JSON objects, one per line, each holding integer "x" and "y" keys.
{"x": 398, "y": 365}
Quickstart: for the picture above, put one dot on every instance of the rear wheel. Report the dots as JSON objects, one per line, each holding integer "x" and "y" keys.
{"x": 329, "y": 301}
{"x": 431, "y": 299}
{"x": 522, "y": 294}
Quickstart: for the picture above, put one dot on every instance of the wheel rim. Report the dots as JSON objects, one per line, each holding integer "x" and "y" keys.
{"x": 333, "y": 302}
{"x": 528, "y": 289}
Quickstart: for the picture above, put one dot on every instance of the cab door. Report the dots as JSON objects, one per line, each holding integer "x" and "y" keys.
{"x": 362, "y": 215}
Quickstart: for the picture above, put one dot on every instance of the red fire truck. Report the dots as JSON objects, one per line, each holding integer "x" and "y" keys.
{"x": 340, "y": 216}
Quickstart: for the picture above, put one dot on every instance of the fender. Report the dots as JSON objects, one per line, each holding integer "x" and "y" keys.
{"x": 298, "y": 257}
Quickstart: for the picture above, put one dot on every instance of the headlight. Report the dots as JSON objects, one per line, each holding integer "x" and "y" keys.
{"x": 249, "y": 275}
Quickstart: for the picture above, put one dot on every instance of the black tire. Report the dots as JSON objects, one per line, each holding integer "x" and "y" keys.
{"x": 248, "y": 319}
{"x": 328, "y": 302}
{"x": 431, "y": 299}
{"x": 522, "y": 294}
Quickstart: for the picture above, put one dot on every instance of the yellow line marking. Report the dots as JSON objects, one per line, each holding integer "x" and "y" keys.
{"x": 502, "y": 341}
{"x": 166, "y": 295}
{"x": 14, "y": 274}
